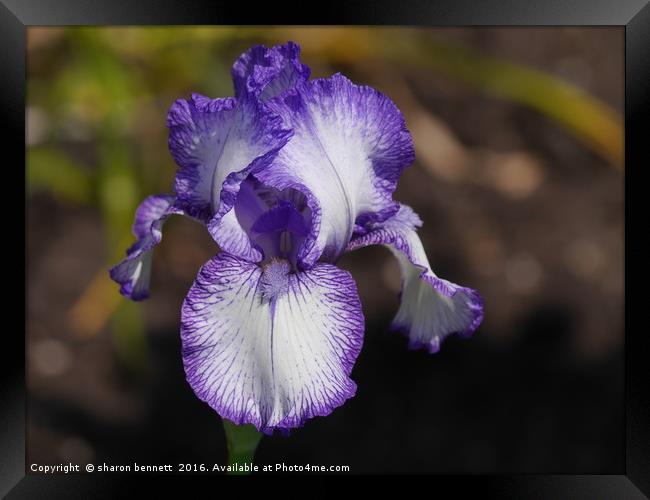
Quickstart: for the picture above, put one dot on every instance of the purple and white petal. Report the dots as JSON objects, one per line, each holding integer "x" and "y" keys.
{"x": 350, "y": 145}
{"x": 217, "y": 143}
{"x": 150, "y": 213}
{"x": 431, "y": 308}
{"x": 133, "y": 273}
{"x": 269, "y": 347}
{"x": 268, "y": 73}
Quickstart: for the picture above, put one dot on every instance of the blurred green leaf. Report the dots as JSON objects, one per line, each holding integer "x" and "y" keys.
{"x": 589, "y": 119}
{"x": 52, "y": 170}
{"x": 129, "y": 337}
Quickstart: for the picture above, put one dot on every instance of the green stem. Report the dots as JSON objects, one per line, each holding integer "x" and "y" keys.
{"x": 242, "y": 442}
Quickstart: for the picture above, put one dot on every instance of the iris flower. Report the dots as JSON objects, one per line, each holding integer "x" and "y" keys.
{"x": 287, "y": 176}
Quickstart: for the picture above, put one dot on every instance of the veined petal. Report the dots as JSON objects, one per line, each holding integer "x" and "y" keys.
{"x": 217, "y": 143}
{"x": 350, "y": 145}
{"x": 431, "y": 308}
{"x": 133, "y": 272}
{"x": 269, "y": 347}
{"x": 267, "y": 73}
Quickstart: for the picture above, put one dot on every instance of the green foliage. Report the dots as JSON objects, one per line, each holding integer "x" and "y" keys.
{"x": 52, "y": 170}
{"x": 586, "y": 117}
{"x": 131, "y": 343}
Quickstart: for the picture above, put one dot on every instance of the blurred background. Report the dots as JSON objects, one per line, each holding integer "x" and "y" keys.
{"x": 519, "y": 181}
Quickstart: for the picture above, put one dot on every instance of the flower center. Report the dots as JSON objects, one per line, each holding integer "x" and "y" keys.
{"x": 279, "y": 231}
{"x": 275, "y": 278}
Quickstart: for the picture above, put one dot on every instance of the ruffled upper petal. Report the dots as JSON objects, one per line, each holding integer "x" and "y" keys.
{"x": 133, "y": 272}
{"x": 267, "y": 73}
{"x": 217, "y": 143}
{"x": 431, "y": 308}
{"x": 350, "y": 145}
{"x": 265, "y": 346}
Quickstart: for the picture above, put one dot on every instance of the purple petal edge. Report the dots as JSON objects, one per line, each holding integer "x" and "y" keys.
{"x": 399, "y": 235}
{"x": 132, "y": 273}
{"x": 226, "y": 369}
{"x": 216, "y": 144}
{"x": 268, "y": 73}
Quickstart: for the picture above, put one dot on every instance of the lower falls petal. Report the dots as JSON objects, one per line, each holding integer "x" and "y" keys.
{"x": 271, "y": 355}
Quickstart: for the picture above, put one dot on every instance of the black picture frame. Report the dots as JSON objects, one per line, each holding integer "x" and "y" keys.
{"x": 634, "y": 15}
